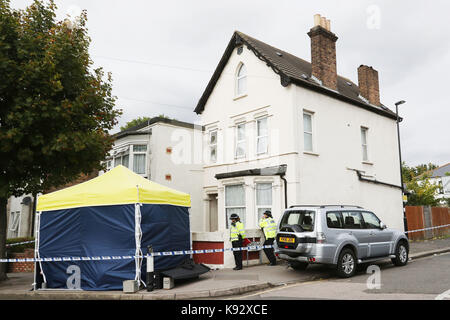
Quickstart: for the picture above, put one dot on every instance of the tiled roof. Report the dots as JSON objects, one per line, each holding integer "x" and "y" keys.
{"x": 291, "y": 70}
{"x": 441, "y": 171}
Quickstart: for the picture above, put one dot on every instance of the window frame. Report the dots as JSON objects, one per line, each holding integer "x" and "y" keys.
{"x": 243, "y": 206}
{"x": 238, "y": 77}
{"x": 212, "y": 145}
{"x": 139, "y": 153}
{"x": 311, "y": 133}
{"x": 365, "y": 144}
{"x": 258, "y": 136}
{"x": 257, "y": 206}
{"x": 238, "y": 141}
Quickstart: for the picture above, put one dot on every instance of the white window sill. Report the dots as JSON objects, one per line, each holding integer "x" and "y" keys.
{"x": 239, "y": 97}
{"x": 311, "y": 153}
{"x": 368, "y": 162}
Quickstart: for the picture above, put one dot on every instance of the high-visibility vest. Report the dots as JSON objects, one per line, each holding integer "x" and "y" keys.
{"x": 269, "y": 226}
{"x": 236, "y": 230}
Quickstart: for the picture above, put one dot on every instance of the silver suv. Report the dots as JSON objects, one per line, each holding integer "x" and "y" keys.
{"x": 339, "y": 235}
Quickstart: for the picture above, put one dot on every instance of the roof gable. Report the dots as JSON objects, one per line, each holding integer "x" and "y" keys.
{"x": 291, "y": 69}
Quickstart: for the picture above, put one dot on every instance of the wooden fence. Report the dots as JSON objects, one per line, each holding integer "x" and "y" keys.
{"x": 420, "y": 217}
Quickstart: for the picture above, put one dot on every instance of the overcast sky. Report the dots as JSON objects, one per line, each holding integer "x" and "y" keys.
{"x": 162, "y": 53}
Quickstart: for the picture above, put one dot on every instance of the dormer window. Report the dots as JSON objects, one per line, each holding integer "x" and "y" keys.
{"x": 241, "y": 80}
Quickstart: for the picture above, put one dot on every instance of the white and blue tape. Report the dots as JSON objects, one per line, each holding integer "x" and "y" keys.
{"x": 154, "y": 254}
{"x": 157, "y": 254}
{"x": 430, "y": 228}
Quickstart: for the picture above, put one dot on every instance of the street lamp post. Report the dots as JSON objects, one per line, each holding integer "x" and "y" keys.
{"x": 405, "y": 223}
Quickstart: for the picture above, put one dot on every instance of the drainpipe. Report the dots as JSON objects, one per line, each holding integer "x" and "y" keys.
{"x": 285, "y": 190}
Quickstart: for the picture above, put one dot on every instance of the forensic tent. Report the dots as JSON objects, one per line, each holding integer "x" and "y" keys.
{"x": 99, "y": 230}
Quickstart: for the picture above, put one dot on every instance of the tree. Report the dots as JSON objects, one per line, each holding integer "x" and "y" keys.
{"x": 140, "y": 120}
{"x": 55, "y": 110}
{"x": 417, "y": 180}
{"x": 423, "y": 192}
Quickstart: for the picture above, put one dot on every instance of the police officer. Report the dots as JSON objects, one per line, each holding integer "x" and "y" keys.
{"x": 267, "y": 223}
{"x": 237, "y": 235}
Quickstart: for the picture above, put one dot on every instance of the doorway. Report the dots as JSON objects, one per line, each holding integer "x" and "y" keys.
{"x": 213, "y": 213}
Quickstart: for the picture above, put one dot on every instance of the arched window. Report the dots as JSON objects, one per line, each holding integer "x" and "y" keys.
{"x": 241, "y": 80}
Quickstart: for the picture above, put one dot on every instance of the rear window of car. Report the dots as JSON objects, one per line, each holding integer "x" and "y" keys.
{"x": 302, "y": 218}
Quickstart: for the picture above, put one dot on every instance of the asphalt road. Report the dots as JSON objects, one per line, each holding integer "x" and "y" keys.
{"x": 421, "y": 279}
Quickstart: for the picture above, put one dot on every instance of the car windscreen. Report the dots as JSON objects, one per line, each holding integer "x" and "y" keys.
{"x": 302, "y": 218}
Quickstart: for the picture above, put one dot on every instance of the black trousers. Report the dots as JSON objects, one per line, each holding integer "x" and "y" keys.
{"x": 237, "y": 254}
{"x": 269, "y": 251}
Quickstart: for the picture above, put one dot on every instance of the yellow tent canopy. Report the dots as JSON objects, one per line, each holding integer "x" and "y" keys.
{"x": 118, "y": 186}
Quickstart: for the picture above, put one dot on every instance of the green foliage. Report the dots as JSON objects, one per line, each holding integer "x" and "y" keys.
{"x": 140, "y": 120}
{"x": 55, "y": 110}
{"x": 423, "y": 192}
{"x": 417, "y": 180}
{"x": 411, "y": 173}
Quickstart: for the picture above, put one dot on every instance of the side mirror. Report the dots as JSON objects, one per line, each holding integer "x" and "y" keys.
{"x": 382, "y": 226}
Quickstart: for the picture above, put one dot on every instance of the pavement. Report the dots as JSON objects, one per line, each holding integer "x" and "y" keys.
{"x": 211, "y": 285}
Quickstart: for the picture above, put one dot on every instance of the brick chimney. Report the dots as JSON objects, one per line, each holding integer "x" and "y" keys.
{"x": 368, "y": 84}
{"x": 323, "y": 52}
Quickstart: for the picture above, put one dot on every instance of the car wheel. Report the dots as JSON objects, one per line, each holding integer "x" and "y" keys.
{"x": 401, "y": 254}
{"x": 298, "y": 265}
{"x": 346, "y": 266}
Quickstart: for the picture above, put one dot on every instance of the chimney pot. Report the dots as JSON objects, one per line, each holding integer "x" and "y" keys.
{"x": 317, "y": 20}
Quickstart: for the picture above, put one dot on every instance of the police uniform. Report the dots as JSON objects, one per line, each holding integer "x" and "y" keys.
{"x": 237, "y": 234}
{"x": 269, "y": 227}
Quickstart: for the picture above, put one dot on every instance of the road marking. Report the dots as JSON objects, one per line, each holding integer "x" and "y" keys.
{"x": 443, "y": 296}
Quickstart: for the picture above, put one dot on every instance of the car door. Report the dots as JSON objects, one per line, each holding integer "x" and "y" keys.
{"x": 380, "y": 240}
{"x": 354, "y": 226}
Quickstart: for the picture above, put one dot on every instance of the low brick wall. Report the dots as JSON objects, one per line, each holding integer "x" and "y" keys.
{"x": 21, "y": 266}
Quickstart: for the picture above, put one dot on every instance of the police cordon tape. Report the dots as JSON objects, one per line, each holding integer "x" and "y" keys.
{"x": 156, "y": 254}
{"x": 443, "y": 226}
{"x": 19, "y": 243}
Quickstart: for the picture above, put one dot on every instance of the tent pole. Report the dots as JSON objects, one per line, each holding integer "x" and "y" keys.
{"x": 36, "y": 250}
{"x": 138, "y": 238}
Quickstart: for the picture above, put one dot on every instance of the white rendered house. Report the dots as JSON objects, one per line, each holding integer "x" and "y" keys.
{"x": 162, "y": 150}
{"x": 280, "y": 131}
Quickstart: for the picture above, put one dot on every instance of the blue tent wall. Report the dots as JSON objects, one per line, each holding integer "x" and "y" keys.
{"x": 109, "y": 231}
{"x": 165, "y": 228}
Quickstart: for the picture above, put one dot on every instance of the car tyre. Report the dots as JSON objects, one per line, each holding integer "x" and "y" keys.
{"x": 298, "y": 265}
{"x": 401, "y": 254}
{"x": 346, "y": 266}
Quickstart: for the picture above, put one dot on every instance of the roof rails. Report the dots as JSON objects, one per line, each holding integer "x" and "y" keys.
{"x": 325, "y": 205}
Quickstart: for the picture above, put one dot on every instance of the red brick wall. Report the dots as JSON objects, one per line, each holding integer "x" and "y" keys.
{"x": 208, "y": 258}
{"x": 21, "y": 266}
{"x": 217, "y": 257}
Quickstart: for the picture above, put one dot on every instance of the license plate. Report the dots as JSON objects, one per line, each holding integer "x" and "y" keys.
{"x": 289, "y": 240}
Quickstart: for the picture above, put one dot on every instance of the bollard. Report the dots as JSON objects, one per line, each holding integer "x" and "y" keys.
{"x": 150, "y": 269}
